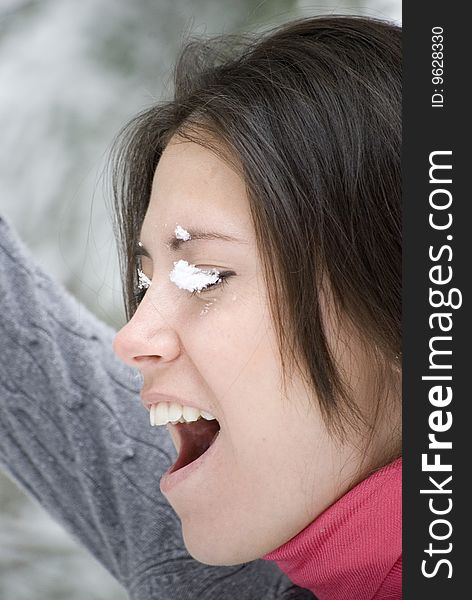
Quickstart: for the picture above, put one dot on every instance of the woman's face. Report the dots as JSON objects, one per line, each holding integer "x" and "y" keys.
{"x": 273, "y": 468}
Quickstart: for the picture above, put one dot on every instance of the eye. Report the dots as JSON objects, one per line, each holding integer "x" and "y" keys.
{"x": 223, "y": 277}
{"x": 144, "y": 282}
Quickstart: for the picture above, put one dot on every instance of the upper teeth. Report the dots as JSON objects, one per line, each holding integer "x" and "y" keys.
{"x": 171, "y": 412}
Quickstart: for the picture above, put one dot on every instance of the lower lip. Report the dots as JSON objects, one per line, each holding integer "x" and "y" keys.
{"x": 170, "y": 480}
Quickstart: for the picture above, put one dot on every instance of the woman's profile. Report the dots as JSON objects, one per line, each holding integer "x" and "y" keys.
{"x": 258, "y": 215}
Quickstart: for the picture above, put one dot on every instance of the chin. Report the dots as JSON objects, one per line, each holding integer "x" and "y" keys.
{"x": 221, "y": 552}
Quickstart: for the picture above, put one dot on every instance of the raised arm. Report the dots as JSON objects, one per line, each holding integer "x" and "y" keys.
{"x": 74, "y": 435}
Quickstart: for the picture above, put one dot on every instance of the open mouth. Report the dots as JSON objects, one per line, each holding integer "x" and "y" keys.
{"x": 194, "y": 439}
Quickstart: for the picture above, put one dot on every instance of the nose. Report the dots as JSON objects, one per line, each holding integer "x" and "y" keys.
{"x": 149, "y": 337}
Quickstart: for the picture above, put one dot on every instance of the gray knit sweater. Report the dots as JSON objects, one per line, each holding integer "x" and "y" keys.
{"x": 74, "y": 435}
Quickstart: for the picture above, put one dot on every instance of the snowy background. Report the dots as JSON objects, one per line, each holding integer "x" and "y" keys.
{"x": 72, "y": 72}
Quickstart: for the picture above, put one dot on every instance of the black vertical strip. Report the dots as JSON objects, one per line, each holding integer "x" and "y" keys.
{"x": 437, "y": 255}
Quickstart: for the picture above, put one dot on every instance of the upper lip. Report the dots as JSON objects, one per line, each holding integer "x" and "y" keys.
{"x": 150, "y": 397}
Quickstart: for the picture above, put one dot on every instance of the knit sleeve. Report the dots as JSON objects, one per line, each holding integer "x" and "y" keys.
{"x": 74, "y": 436}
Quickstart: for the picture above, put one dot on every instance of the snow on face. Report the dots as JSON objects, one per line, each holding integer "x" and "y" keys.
{"x": 191, "y": 278}
{"x": 187, "y": 276}
{"x": 181, "y": 233}
{"x": 143, "y": 280}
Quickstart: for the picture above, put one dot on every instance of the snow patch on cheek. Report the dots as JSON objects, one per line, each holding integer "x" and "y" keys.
{"x": 191, "y": 278}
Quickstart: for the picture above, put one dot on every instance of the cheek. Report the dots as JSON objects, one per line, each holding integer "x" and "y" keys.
{"x": 229, "y": 340}
{"x": 207, "y": 306}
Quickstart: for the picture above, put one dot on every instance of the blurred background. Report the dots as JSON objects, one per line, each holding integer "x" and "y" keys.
{"x": 72, "y": 73}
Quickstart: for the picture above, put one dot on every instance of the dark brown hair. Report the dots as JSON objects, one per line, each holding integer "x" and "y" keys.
{"x": 310, "y": 115}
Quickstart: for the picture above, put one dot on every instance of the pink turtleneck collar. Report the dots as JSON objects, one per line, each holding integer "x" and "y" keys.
{"x": 354, "y": 548}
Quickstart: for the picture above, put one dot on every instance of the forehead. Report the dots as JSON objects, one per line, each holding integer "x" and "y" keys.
{"x": 193, "y": 187}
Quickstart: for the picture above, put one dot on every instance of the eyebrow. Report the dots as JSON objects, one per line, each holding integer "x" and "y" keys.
{"x": 175, "y": 244}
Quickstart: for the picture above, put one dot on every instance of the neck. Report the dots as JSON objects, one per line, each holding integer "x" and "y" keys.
{"x": 353, "y": 549}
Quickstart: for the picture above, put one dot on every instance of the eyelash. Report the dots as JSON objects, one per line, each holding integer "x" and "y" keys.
{"x": 223, "y": 277}
{"x": 222, "y": 280}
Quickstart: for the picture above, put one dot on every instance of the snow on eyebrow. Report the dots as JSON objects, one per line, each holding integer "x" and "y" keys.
{"x": 181, "y": 233}
{"x": 191, "y": 278}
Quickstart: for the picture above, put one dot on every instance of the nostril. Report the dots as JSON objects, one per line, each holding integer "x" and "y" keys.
{"x": 140, "y": 361}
